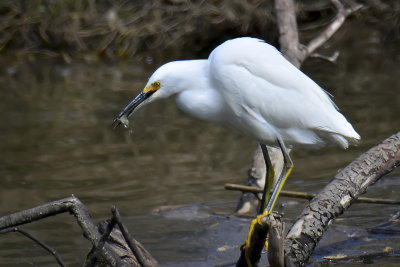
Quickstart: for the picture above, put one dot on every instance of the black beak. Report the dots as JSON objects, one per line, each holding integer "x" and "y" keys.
{"x": 142, "y": 96}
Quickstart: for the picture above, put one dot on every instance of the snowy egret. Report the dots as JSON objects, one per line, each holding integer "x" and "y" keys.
{"x": 247, "y": 84}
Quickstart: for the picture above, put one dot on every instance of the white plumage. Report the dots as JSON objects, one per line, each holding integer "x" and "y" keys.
{"x": 249, "y": 85}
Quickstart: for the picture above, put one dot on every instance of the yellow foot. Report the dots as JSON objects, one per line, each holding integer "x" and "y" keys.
{"x": 246, "y": 245}
{"x": 266, "y": 244}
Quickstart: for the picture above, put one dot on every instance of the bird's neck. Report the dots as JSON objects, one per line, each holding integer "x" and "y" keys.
{"x": 188, "y": 75}
{"x": 195, "y": 93}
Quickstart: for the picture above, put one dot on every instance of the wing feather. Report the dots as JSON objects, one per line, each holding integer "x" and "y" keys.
{"x": 251, "y": 73}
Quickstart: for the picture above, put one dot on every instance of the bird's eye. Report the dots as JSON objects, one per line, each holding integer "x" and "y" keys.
{"x": 157, "y": 84}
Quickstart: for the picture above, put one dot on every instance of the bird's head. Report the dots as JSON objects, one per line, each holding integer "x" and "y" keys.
{"x": 165, "y": 81}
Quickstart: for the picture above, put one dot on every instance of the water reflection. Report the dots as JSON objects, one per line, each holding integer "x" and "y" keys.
{"x": 58, "y": 140}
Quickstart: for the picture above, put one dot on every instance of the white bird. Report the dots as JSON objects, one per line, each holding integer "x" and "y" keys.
{"x": 247, "y": 84}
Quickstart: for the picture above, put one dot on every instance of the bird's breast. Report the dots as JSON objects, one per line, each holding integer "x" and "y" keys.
{"x": 203, "y": 104}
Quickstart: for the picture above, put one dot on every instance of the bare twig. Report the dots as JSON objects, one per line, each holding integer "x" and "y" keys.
{"x": 36, "y": 240}
{"x": 308, "y": 196}
{"x": 342, "y": 14}
{"x": 256, "y": 177}
{"x": 331, "y": 58}
{"x": 289, "y": 37}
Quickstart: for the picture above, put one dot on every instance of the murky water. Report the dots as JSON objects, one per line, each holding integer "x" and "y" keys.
{"x": 57, "y": 140}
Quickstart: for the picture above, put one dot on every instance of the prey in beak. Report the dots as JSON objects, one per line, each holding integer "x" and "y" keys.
{"x": 135, "y": 103}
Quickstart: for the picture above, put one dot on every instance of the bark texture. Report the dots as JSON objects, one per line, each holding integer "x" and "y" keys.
{"x": 338, "y": 195}
{"x": 271, "y": 223}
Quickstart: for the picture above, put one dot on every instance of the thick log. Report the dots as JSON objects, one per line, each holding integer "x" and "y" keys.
{"x": 338, "y": 195}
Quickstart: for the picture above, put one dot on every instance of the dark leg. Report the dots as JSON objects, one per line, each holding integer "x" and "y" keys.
{"x": 266, "y": 208}
{"x": 287, "y": 169}
{"x": 269, "y": 179}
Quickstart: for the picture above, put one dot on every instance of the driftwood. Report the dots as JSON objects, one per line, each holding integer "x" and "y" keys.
{"x": 338, "y": 195}
{"x": 332, "y": 201}
{"x": 108, "y": 246}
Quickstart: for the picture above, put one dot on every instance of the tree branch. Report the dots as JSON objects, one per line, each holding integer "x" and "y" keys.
{"x": 288, "y": 32}
{"x": 324, "y": 36}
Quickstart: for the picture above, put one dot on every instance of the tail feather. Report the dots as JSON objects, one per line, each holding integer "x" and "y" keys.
{"x": 341, "y": 139}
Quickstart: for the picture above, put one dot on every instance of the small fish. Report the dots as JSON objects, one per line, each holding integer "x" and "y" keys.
{"x": 124, "y": 120}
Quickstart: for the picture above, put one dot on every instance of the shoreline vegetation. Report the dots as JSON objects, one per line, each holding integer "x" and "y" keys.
{"x": 91, "y": 30}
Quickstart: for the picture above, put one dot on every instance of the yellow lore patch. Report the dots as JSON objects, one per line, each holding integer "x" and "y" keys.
{"x": 152, "y": 87}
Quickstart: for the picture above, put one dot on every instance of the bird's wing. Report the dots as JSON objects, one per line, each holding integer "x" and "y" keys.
{"x": 266, "y": 62}
{"x": 250, "y": 72}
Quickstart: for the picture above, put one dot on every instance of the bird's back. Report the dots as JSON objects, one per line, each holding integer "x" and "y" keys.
{"x": 270, "y": 97}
